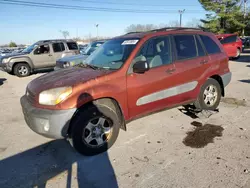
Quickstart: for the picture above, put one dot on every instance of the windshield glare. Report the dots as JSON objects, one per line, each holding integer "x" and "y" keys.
{"x": 30, "y": 48}
{"x": 112, "y": 54}
{"x": 85, "y": 52}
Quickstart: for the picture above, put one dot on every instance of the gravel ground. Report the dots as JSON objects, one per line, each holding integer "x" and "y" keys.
{"x": 168, "y": 149}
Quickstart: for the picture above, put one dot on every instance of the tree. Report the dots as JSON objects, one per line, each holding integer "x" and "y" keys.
{"x": 140, "y": 28}
{"x": 148, "y": 27}
{"x": 12, "y": 44}
{"x": 64, "y": 33}
{"x": 224, "y": 16}
{"x": 194, "y": 23}
{"x": 174, "y": 23}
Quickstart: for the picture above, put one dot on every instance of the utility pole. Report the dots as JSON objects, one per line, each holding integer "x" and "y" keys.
{"x": 181, "y": 12}
{"x": 245, "y": 14}
{"x": 97, "y": 25}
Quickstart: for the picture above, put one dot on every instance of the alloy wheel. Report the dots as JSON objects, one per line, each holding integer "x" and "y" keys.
{"x": 210, "y": 95}
{"x": 97, "y": 132}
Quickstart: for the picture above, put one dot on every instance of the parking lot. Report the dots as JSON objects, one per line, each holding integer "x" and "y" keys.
{"x": 172, "y": 148}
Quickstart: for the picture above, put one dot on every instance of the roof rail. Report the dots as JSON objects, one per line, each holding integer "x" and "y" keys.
{"x": 134, "y": 32}
{"x": 177, "y": 28}
{"x": 55, "y": 40}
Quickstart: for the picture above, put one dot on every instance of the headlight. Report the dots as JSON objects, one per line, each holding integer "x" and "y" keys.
{"x": 5, "y": 60}
{"x": 54, "y": 96}
{"x": 66, "y": 64}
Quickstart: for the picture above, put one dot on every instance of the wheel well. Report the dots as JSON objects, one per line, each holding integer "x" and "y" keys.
{"x": 219, "y": 79}
{"x": 18, "y": 63}
{"x": 112, "y": 103}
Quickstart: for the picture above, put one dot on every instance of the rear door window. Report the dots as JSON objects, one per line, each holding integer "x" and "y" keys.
{"x": 185, "y": 46}
{"x": 229, "y": 39}
{"x": 58, "y": 47}
{"x": 210, "y": 45}
{"x": 72, "y": 46}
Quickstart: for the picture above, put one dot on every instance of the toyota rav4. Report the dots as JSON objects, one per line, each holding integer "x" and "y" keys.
{"x": 126, "y": 78}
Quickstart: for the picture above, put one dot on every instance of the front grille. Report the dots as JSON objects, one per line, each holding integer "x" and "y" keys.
{"x": 30, "y": 96}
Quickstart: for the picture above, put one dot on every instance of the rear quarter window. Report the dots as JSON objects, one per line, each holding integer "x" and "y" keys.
{"x": 210, "y": 45}
{"x": 58, "y": 47}
{"x": 229, "y": 39}
{"x": 72, "y": 46}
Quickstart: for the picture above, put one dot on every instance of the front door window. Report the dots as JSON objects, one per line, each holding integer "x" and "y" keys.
{"x": 43, "y": 49}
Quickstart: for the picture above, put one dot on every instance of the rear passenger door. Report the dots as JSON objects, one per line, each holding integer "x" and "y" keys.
{"x": 191, "y": 62}
{"x": 217, "y": 58}
{"x": 58, "y": 49}
{"x": 72, "y": 49}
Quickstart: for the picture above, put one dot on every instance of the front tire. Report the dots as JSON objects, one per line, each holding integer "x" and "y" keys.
{"x": 22, "y": 70}
{"x": 94, "y": 129}
{"x": 210, "y": 95}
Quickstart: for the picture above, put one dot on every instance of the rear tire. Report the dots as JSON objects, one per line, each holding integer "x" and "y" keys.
{"x": 210, "y": 95}
{"x": 22, "y": 70}
{"x": 238, "y": 54}
{"x": 86, "y": 127}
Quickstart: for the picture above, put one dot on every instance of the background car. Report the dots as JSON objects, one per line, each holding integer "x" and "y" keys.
{"x": 246, "y": 42}
{"x": 69, "y": 61}
{"x": 77, "y": 59}
{"x": 82, "y": 47}
{"x": 42, "y": 55}
{"x": 92, "y": 47}
{"x": 232, "y": 44}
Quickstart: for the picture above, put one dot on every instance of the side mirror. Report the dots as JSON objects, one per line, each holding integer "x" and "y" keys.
{"x": 141, "y": 67}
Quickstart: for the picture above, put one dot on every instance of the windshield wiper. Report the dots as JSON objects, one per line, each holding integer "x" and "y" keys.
{"x": 83, "y": 65}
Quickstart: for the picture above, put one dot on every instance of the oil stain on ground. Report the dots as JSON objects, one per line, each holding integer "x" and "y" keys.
{"x": 202, "y": 135}
{"x": 234, "y": 101}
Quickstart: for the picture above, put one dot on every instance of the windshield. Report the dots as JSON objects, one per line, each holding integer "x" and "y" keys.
{"x": 112, "y": 54}
{"x": 30, "y": 48}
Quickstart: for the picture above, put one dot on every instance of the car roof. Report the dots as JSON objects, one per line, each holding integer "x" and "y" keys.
{"x": 225, "y": 35}
{"x": 54, "y": 40}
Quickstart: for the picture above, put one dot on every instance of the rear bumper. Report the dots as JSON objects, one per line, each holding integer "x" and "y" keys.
{"x": 226, "y": 78}
{"x": 49, "y": 123}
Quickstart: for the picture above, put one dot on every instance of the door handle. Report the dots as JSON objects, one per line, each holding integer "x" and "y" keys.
{"x": 204, "y": 62}
{"x": 170, "y": 71}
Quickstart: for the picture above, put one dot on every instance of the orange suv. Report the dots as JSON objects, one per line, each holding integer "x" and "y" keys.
{"x": 127, "y": 77}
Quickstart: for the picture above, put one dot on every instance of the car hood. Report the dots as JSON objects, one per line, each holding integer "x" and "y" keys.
{"x": 14, "y": 55}
{"x": 65, "y": 77}
{"x": 72, "y": 58}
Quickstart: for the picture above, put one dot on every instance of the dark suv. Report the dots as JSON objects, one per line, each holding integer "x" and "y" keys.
{"x": 127, "y": 77}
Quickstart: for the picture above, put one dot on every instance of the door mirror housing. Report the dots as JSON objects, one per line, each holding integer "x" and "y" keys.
{"x": 141, "y": 67}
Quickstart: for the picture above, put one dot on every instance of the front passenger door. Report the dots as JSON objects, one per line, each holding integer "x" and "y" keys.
{"x": 150, "y": 91}
{"x": 42, "y": 56}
